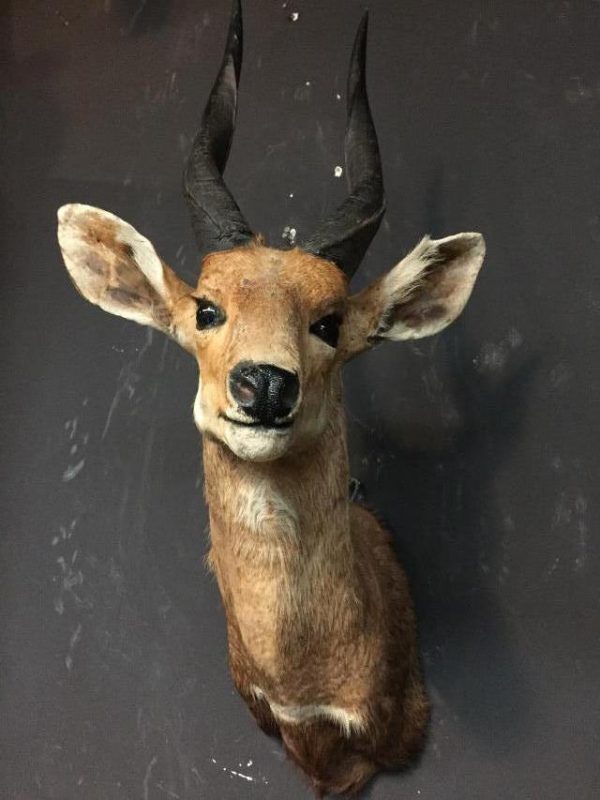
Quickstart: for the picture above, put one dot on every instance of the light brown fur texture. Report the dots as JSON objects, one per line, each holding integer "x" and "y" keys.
{"x": 318, "y": 612}
{"x": 321, "y": 627}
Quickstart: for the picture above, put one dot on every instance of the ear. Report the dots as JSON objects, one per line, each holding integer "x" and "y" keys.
{"x": 420, "y": 296}
{"x": 116, "y": 268}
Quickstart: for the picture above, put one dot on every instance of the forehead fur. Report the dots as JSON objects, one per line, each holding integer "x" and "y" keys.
{"x": 255, "y": 266}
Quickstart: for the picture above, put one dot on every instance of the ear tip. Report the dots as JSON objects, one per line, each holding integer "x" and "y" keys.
{"x": 64, "y": 213}
{"x": 469, "y": 240}
{"x": 71, "y": 213}
{"x": 478, "y": 241}
{"x": 69, "y": 210}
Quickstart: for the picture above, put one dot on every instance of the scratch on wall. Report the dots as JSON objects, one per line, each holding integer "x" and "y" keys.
{"x": 75, "y": 637}
{"x": 147, "y": 776}
{"x": 126, "y": 382}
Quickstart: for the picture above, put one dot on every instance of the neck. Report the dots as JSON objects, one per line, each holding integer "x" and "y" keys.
{"x": 264, "y": 511}
{"x": 281, "y": 547}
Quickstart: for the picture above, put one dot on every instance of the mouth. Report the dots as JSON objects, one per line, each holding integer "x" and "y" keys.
{"x": 271, "y": 426}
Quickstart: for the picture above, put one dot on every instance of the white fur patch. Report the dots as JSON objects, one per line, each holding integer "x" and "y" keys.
{"x": 144, "y": 254}
{"x": 259, "y": 507}
{"x": 198, "y": 409}
{"x": 253, "y": 444}
{"x": 348, "y": 721}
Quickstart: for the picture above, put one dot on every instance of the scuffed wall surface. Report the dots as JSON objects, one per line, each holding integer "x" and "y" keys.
{"x": 479, "y": 448}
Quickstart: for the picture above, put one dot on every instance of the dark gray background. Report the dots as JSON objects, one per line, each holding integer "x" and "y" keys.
{"x": 480, "y": 447}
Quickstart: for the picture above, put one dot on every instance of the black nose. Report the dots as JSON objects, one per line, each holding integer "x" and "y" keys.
{"x": 265, "y": 392}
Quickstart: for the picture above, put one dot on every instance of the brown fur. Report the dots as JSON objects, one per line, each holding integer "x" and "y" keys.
{"x": 323, "y": 619}
{"x": 321, "y": 628}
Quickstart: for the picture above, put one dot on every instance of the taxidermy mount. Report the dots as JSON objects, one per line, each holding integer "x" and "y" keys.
{"x": 321, "y": 630}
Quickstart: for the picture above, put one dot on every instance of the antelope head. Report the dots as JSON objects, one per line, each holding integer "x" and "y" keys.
{"x": 271, "y": 328}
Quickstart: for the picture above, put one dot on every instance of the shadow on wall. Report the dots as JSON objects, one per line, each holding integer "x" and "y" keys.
{"x": 439, "y": 495}
{"x": 436, "y": 485}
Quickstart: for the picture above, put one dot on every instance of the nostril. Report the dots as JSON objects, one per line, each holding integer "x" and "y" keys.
{"x": 243, "y": 391}
{"x": 245, "y": 385}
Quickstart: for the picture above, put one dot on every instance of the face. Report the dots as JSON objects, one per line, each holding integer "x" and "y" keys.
{"x": 270, "y": 329}
{"x": 264, "y": 325}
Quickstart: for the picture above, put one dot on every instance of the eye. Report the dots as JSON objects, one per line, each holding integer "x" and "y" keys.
{"x": 208, "y": 314}
{"x": 328, "y": 329}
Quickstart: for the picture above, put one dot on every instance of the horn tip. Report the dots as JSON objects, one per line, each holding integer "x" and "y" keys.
{"x": 236, "y": 13}
{"x": 360, "y": 40}
{"x": 363, "y": 25}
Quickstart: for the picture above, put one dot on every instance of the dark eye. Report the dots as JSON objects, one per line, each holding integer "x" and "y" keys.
{"x": 208, "y": 314}
{"x": 327, "y": 329}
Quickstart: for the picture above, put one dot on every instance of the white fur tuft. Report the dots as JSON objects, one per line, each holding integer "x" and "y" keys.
{"x": 348, "y": 721}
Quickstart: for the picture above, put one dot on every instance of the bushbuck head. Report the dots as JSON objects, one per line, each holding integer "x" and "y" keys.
{"x": 271, "y": 328}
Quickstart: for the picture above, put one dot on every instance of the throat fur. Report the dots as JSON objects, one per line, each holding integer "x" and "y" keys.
{"x": 281, "y": 548}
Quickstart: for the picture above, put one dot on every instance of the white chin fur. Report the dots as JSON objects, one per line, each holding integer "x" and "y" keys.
{"x": 254, "y": 444}
{"x": 251, "y": 444}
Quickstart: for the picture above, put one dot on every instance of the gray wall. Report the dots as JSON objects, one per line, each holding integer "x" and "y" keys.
{"x": 478, "y": 447}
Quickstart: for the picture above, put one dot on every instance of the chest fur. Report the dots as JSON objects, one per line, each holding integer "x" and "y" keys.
{"x": 286, "y": 586}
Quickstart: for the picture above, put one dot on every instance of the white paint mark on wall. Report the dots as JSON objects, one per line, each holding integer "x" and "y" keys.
{"x": 289, "y": 234}
{"x": 127, "y": 381}
{"x": 69, "y": 579}
{"x": 71, "y": 427}
{"x": 570, "y": 513}
{"x": 196, "y": 774}
{"x": 75, "y": 637}
{"x": 493, "y": 356}
{"x": 168, "y": 792}
{"x": 235, "y": 773}
{"x": 553, "y": 567}
{"x": 241, "y": 775}
{"x": 581, "y": 92}
{"x": 147, "y": 776}
{"x": 73, "y": 470}
{"x": 582, "y": 531}
{"x": 559, "y": 374}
